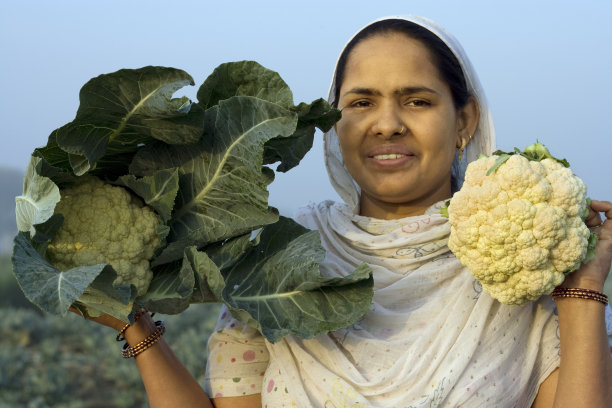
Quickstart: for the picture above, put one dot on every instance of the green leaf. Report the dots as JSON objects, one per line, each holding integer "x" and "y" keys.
{"x": 209, "y": 283}
{"x": 223, "y": 188}
{"x": 590, "y": 254}
{"x": 536, "y": 152}
{"x": 120, "y": 111}
{"x": 44, "y": 285}
{"x": 225, "y": 254}
{"x": 37, "y": 203}
{"x": 170, "y": 288}
{"x": 290, "y": 151}
{"x": 176, "y": 285}
{"x": 318, "y": 114}
{"x": 278, "y": 288}
{"x": 62, "y": 167}
{"x": 533, "y": 152}
{"x": 45, "y": 232}
{"x": 500, "y": 160}
{"x": 585, "y": 213}
{"x": 244, "y": 78}
{"x": 56, "y": 160}
{"x": 444, "y": 210}
{"x": 249, "y": 78}
{"x": 102, "y": 296}
{"x": 158, "y": 191}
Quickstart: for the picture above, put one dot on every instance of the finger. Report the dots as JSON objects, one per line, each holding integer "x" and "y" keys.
{"x": 601, "y": 207}
{"x": 76, "y": 310}
{"x": 593, "y": 219}
{"x": 603, "y": 230}
{"x": 595, "y": 209}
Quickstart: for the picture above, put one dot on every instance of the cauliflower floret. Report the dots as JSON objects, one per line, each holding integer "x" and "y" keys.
{"x": 523, "y": 287}
{"x": 478, "y": 171}
{"x": 566, "y": 193}
{"x": 105, "y": 224}
{"x": 519, "y": 230}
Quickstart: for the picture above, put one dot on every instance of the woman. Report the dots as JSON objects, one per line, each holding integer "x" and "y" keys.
{"x": 410, "y": 101}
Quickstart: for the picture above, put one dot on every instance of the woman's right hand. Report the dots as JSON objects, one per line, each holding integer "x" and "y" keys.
{"x": 166, "y": 379}
{"x": 134, "y": 333}
{"x": 167, "y": 382}
{"x": 104, "y": 320}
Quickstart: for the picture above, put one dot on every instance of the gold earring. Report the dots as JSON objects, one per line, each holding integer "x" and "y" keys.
{"x": 462, "y": 148}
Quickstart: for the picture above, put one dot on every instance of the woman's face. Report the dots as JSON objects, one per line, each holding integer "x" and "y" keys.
{"x": 399, "y": 128}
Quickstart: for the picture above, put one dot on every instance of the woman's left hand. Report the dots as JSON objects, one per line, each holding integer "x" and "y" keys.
{"x": 584, "y": 377}
{"x": 593, "y": 274}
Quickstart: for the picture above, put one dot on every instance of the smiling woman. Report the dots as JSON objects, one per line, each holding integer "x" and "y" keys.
{"x": 414, "y": 115}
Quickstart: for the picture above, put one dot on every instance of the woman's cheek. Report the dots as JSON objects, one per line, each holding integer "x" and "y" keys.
{"x": 345, "y": 138}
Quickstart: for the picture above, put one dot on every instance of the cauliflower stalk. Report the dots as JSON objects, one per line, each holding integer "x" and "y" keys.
{"x": 518, "y": 223}
{"x": 105, "y": 224}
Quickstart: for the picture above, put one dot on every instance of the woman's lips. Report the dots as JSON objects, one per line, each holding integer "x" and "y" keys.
{"x": 390, "y": 156}
{"x": 390, "y": 161}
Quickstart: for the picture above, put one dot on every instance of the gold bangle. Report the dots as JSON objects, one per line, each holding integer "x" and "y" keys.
{"x": 120, "y": 335}
{"x": 580, "y": 293}
{"x": 145, "y": 344}
{"x": 137, "y": 315}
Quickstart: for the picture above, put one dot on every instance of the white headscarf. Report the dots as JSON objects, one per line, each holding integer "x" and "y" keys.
{"x": 482, "y": 142}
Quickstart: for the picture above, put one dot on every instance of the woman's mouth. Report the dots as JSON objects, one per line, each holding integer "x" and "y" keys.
{"x": 388, "y": 156}
{"x": 390, "y": 160}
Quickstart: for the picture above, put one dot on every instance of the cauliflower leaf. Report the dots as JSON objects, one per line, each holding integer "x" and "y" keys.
{"x": 147, "y": 200}
{"x": 43, "y": 284}
{"x": 37, "y": 203}
{"x": 120, "y": 111}
{"x": 277, "y": 278}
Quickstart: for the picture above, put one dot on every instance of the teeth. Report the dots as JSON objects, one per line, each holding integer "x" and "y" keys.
{"x": 388, "y": 156}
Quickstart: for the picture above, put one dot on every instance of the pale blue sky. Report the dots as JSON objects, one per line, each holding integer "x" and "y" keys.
{"x": 545, "y": 65}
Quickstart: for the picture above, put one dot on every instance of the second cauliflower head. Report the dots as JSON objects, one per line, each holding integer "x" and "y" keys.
{"x": 106, "y": 224}
{"x": 520, "y": 229}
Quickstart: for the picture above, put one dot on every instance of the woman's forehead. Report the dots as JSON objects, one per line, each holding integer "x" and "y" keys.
{"x": 389, "y": 57}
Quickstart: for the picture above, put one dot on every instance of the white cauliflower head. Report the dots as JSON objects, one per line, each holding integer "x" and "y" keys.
{"x": 519, "y": 230}
{"x": 105, "y": 224}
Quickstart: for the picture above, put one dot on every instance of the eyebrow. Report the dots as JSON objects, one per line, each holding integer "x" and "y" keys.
{"x": 407, "y": 90}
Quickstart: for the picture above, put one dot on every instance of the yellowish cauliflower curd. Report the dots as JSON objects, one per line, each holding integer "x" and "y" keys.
{"x": 519, "y": 230}
{"x": 105, "y": 224}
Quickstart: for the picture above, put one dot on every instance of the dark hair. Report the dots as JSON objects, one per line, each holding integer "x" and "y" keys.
{"x": 442, "y": 57}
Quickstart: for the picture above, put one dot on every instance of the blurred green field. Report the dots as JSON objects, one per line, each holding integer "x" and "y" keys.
{"x": 52, "y": 361}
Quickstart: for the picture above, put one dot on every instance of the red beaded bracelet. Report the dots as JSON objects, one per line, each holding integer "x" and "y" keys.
{"x": 580, "y": 294}
{"x": 148, "y": 342}
{"x": 137, "y": 315}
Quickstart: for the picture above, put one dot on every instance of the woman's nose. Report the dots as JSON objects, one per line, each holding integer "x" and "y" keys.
{"x": 388, "y": 123}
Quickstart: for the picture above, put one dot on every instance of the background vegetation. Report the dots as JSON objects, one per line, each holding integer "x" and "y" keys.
{"x": 50, "y": 361}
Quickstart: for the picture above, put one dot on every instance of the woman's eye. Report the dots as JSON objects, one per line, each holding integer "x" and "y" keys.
{"x": 417, "y": 102}
{"x": 361, "y": 104}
